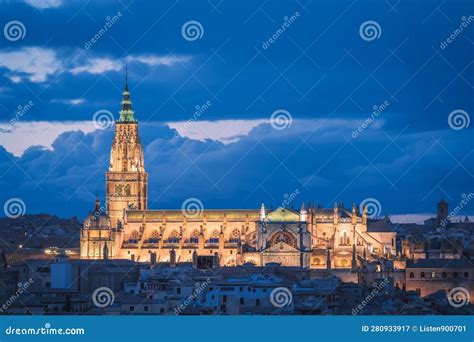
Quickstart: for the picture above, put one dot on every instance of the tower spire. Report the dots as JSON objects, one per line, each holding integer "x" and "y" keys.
{"x": 126, "y": 113}
{"x": 126, "y": 77}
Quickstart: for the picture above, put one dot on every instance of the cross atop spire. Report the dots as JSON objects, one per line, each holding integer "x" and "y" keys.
{"x": 126, "y": 77}
{"x": 126, "y": 113}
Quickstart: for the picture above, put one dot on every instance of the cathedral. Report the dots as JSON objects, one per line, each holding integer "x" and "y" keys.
{"x": 312, "y": 237}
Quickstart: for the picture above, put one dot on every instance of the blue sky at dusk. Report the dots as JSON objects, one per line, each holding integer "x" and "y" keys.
{"x": 204, "y": 104}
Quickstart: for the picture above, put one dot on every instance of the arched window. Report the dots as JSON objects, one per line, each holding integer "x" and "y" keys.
{"x": 214, "y": 237}
{"x": 422, "y": 274}
{"x": 235, "y": 237}
{"x": 173, "y": 237}
{"x": 412, "y": 275}
{"x": 194, "y": 236}
{"x": 345, "y": 239}
{"x": 154, "y": 237}
{"x": 285, "y": 237}
{"x": 134, "y": 237}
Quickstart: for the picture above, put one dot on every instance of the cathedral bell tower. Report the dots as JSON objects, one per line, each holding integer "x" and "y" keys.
{"x": 126, "y": 179}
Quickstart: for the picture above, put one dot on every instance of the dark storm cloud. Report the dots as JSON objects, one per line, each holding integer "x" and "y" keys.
{"x": 319, "y": 159}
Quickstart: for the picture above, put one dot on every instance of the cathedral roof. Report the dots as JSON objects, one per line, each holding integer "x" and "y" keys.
{"x": 379, "y": 226}
{"x": 210, "y": 214}
{"x": 283, "y": 215}
{"x": 97, "y": 218}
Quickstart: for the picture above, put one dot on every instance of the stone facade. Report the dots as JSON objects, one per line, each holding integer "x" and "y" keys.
{"x": 312, "y": 237}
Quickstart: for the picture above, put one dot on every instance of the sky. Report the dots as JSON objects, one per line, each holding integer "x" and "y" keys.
{"x": 241, "y": 103}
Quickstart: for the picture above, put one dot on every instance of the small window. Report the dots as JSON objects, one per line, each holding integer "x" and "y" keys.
{"x": 257, "y": 302}
{"x": 242, "y": 301}
{"x": 444, "y": 275}
{"x": 455, "y": 274}
{"x": 466, "y": 274}
{"x": 412, "y": 275}
{"x": 422, "y": 274}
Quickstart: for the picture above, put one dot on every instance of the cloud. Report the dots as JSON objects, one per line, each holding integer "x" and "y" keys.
{"x": 24, "y": 134}
{"x": 104, "y": 64}
{"x": 420, "y": 218}
{"x": 37, "y": 64}
{"x": 18, "y": 138}
{"x": 225, "y": 131}
{"x": 155, "y": 60}
{"x": 316, "y": 157}
{"x": 34, "y": 64}
{"x": 44, "y": 4}
{"x": 15, "y": 79}
{"x": 72, "y": 102}
{"x": 98, "y": 66}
